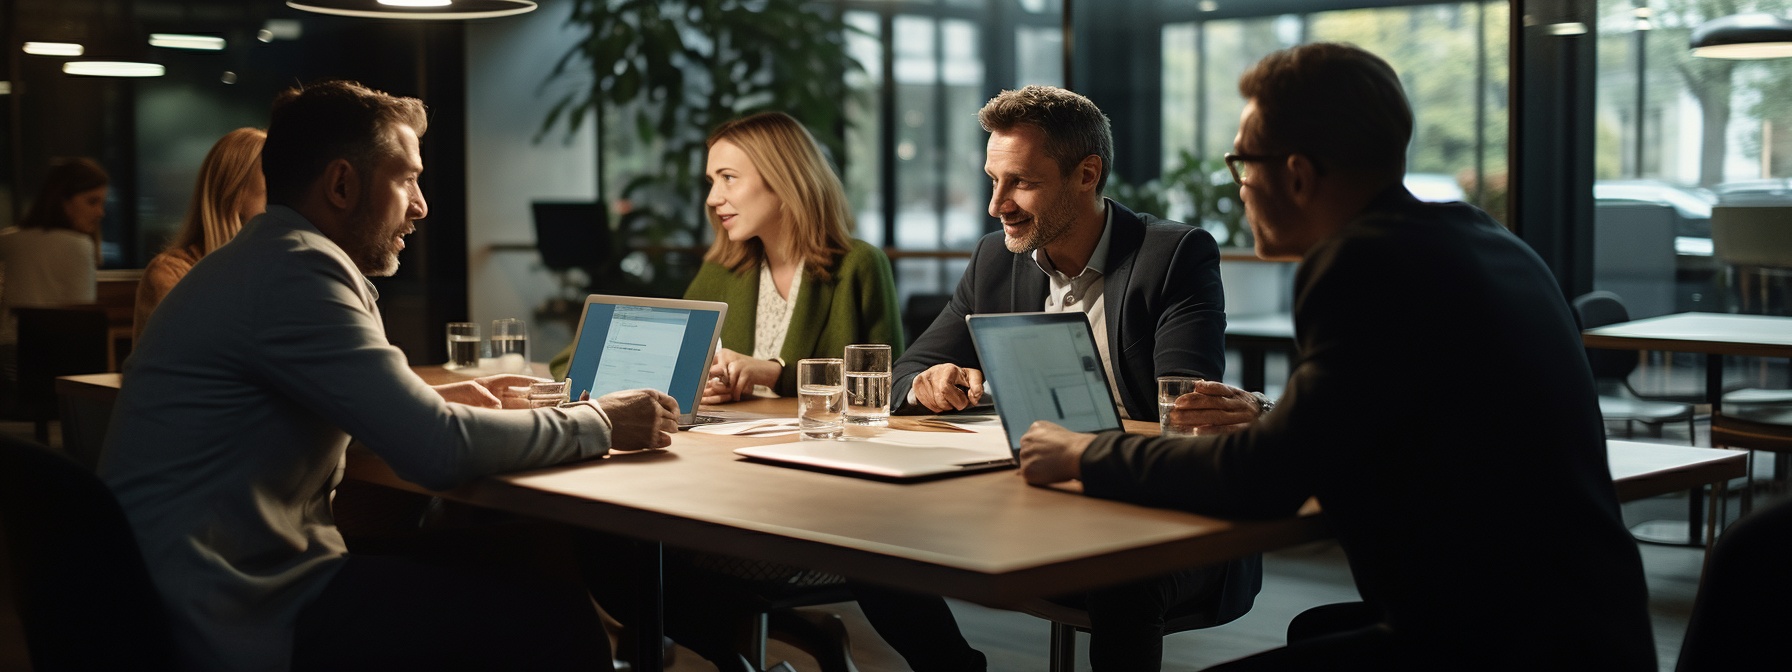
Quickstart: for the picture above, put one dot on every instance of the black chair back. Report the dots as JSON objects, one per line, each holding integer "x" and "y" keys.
{"x": 84, "y": 595}
{"x": 1598, "y": 309}
{"x": 920, "y": 312}
{"x": 1740, "y": 613}
{"x": 59, "y": 341}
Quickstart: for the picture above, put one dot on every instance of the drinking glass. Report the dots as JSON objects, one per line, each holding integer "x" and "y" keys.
{"x": 821, "y": 397}
{"x": 510, "y": 345}
{"x": 868, "y": 385}
{"x": 1168, "y": 389}
{"x": 463, "y": 345}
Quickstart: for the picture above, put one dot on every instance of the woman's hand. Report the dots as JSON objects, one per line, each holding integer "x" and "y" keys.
{"x": 733, "y": 376}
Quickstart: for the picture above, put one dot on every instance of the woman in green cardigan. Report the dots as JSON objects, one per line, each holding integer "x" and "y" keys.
{"x": 796, "y": 283}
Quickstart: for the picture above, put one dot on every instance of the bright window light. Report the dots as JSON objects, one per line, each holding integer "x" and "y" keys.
{"x": 193, "y": 42}
{"x": 53, "y": 49}
{"x": 112, "y": 69}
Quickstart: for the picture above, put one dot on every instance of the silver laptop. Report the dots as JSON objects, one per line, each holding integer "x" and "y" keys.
{"x": 1044, "y": 366}
{"x": 1040, "y": 366}
{"x": 627, "y": 343}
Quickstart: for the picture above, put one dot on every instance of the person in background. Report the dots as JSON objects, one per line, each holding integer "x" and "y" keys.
{"x": 230, "y": 430}
{"x": 796, "y": 282}
{"x": 229, "y": 191}
{"x": 1440, "y": 391}
{"x": 50, "y": 258}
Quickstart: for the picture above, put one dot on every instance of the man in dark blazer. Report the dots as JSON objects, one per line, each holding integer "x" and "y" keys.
{"x": 1151, "y": 290}
{"x": 1440, "y": 392}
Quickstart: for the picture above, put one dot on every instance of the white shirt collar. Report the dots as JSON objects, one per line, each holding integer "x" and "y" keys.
{"x": 1098, "y": 259}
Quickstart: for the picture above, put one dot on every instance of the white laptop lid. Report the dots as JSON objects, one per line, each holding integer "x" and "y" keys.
{"x": 907, "y": 457}
{"x": 626, "y": 343}
{"x": 1044, "y": 366}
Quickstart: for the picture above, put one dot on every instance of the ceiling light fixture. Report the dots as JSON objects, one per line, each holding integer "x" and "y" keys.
{"x": 189, "y": 42}
{"x": 415, "y": 9}
{"x": 53, "y": 49}
{"x": 113, "y": 69}
{"x": 5, "y": 88}
{"x": 1743, "y": 36}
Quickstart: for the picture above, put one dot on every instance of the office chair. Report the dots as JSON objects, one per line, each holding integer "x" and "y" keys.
{"x": 1067, "y": 620}
{"x": 1740, "y": 613}
{"x": 84, "y": 595}
{"x": 1612, "y": 368}
{"x": 920, "y": 311}
{"x": 55, "y": 341}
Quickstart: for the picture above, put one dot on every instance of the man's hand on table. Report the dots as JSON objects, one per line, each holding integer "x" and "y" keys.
{"x": 486, "y": 392}
{"x": 1051, "y": 454}
{"x": 639, "y": 419}
{"x": 948, "y": 387}
{"x": 1215, "y": 408}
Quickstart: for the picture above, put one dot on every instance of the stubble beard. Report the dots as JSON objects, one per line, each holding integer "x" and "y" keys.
{"x": 1049, "y": 224}
{"x": 374, "y": 249}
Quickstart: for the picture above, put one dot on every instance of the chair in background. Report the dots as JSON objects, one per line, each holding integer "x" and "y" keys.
{"x": 1753, "y": 244}
{"x": 59, "y": 341}
{"x": 1067, "y": 620}
{"x": 574, "y": 236}
{"x": 84, "y": 595}
{"x": 1740, "y": 613}
{"x": 920, "y": 312}
{"x": 1612, "y": 368}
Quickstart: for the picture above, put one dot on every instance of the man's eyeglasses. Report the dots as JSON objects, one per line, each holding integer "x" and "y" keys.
{"x": 1240, "y": 164}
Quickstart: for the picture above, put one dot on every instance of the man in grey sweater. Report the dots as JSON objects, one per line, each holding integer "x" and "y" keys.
{"x": 229, "y": 433}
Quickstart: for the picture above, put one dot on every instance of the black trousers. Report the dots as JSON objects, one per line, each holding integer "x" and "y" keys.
{"x": 1127, "y": 620}
{"x": 441, "y": 611}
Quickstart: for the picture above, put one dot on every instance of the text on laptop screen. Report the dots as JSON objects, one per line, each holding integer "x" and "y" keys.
{"x": 1045, "y": 372}
{"x": 632, "y": 347}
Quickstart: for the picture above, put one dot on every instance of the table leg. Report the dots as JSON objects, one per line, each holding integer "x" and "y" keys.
{"x": 650, "y": 630}
{"x": 1714, "y": 381}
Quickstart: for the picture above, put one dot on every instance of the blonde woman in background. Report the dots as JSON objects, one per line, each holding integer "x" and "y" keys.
{"x": 229, "y": 191}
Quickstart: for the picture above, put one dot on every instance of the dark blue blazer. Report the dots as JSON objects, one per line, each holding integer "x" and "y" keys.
{"x": 1165, "y": 312}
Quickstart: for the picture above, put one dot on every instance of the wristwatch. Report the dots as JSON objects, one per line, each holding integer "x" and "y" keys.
{"x": 1264, "y": 403}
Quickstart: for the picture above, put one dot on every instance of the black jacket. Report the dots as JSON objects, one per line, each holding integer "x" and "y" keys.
{"x": 1442, "y": 412}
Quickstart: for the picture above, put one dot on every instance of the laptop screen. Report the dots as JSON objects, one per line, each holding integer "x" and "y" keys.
{"x": 1044, "y": 366}
{"x": 625, "y": 346}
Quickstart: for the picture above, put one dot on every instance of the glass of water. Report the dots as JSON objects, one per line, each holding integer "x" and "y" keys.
{"x": 868, "y": 385}
{"x": 1168, "y": 389}
{"x": 463, "y": 345}
{"x": 821, "y": 398}
{"x": 510, "y": 345}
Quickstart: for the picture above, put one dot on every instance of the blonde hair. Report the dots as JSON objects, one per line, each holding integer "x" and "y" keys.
{"x": 811, "y": 201}
{"x": 214, "y": 213}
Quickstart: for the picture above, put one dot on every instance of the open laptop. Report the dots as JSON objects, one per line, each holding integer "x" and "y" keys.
{"x": 627, "y": 343}
{"x": 1040, "y": 366}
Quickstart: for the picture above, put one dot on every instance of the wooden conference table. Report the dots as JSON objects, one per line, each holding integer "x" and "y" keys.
{"x": 987, "y": 538}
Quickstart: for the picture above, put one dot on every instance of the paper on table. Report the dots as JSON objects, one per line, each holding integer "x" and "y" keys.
{"x": 768, "y": 427}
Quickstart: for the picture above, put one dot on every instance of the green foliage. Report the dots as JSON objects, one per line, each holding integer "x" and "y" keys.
{"x": 1207, "y": 186}
{"x": 672, "y": 70}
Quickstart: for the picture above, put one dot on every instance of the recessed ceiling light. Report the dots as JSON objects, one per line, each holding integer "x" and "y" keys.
{"x": 192, "y": 42}
{"x": 415, "y": 9}
{"x": 53, "y": 49}
{"x": 5, "y": 88}
{"x": 1568, "y": 29}
{"x": 113, "y": 69}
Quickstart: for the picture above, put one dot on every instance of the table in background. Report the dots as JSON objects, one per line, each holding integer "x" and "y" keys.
{"x": 1711, "y": 334}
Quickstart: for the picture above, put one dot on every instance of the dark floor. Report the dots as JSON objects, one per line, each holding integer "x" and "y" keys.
{"x": 1295, "y": 578}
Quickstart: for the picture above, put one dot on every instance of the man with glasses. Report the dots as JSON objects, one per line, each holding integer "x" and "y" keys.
{"x": 1440, "y": 397}
{"x": 1151, "y": 291}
